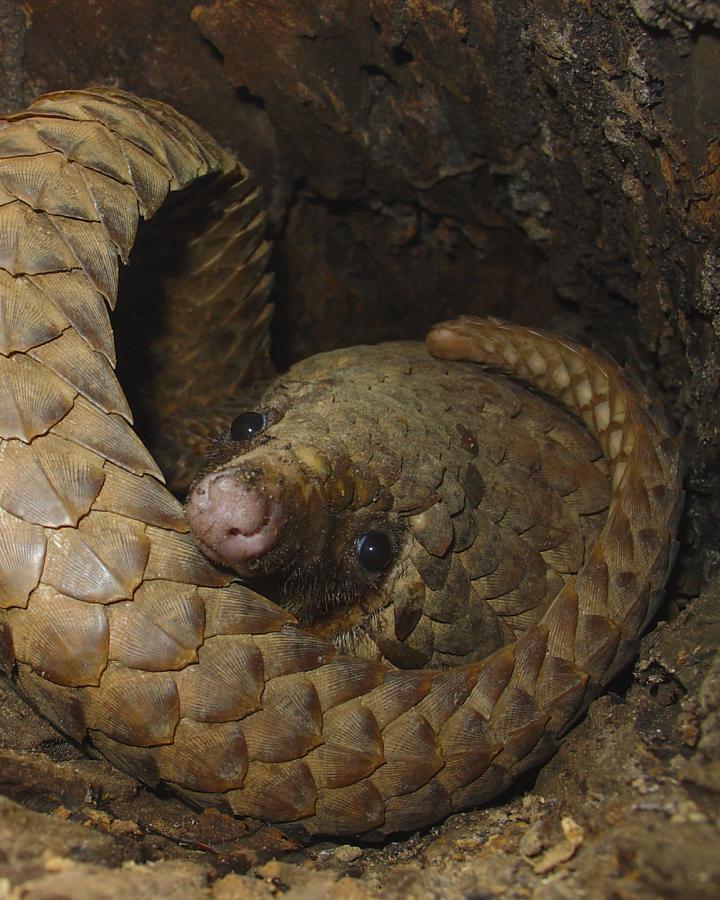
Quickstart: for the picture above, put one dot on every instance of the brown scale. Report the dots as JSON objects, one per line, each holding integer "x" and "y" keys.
{"x": 483, "y": 527}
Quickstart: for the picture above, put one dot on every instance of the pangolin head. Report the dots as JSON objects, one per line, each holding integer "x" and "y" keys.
{"x": 338, "y": 489}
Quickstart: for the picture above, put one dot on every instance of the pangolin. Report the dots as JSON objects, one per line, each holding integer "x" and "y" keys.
{"x": 117, "y": 628}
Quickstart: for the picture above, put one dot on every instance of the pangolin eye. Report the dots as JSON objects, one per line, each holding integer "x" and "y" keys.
{"x": 247, "y": 425}
{"x": 373, "y": 550}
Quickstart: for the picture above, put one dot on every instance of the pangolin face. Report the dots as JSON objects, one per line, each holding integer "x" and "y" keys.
{"x": 368, "y": 492}
{"x": 307, "y": 496}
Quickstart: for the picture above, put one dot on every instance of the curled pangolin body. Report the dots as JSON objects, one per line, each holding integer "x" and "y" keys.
{"x": 119, "y": 631}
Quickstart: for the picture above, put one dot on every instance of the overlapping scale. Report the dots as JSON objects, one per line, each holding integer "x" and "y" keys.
{"x": 116, "y": 207}
{"x": 64, "y": 640}
{"x": 100, "y": 562}
{"x": 139, "y": 761}
{"x": 423, "y": 806}
{"x": 433, "y": 529}
{"x": 399, "y": 692}
{"x": 508, "y": 573}
{"x": 530, "y": 650}
{"x": 150, "y": 180}
{"x": 26, "y": 317}
{"x": 464, "y": 529}
{"x": 412, "y": 756}
{"x": 451, "y": 602}
{"x": 87, "y": 143}
{"x": 139, "y": 497}
{"x": 127, "y": 118}
{"x": 352, "y": 748}
{"x": 175, "y": 557}
{"x": 415, "y": 650}
{"x": 434, "y": 570}
{"x": 289, "y": 723}
{"x": 458, "y": 638}
{"x": 596, "y": 643}
{"x": 518, "y": 723}
{"x": 482, "y": 557}
{"x": 184, "y": 159}
{"x": 446, "y": 696}
{"x": 494, "y": 780}
{"x": 107, "y": 435}
{"x": 22, "y": 555}
{"x": 50, "y": 185}
{"x": 469, "y": 746}
{"x": 62, "y": 705}
{"x": 134, "y": 707}
{"x": 81, "y": 304}
{"x": 204, "y": 757}
{"x": 290, "y": 650}
{"x": 352, "y": 809}
{"x": 160, "y": 630}
{"x": 84, "y": 369}
{"x": 560, "y": 688}
{"x": 29, "y": 244}
{"x": 22, "y": 139}
{"x": 276, "y": 792}
{"x": 49, "y": 482}
{"x": 238, "y": 610}
{"x": 344, "y": 679}
{"x": 92, "y": 252}
{"x": 493, "y": 676}
{"x": 33, "y": 399}
{"x": 226, "y": 684}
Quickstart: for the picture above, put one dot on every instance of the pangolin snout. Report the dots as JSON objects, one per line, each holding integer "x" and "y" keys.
{"x": 235, "y": 521}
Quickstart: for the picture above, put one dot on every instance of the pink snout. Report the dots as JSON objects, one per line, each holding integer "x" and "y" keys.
{"x": 234, "y": 521}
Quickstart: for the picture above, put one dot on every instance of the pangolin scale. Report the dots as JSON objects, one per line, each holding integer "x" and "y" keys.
{"x": 124, "y": 635}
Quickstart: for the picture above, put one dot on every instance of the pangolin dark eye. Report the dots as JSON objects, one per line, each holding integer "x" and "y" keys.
{"x": 373, "y": 550}
{"x": 247, "y": 425}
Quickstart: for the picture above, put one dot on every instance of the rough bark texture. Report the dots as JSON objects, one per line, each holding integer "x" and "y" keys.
{"x": 554, "y": 162}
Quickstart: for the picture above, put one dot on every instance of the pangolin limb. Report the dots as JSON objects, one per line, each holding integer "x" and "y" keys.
{"x": 122, "y": 634}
